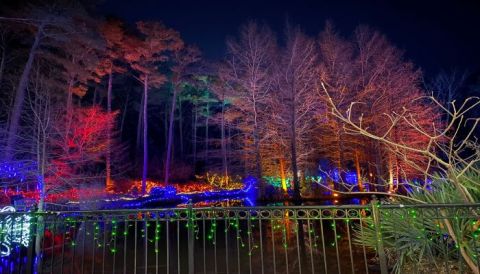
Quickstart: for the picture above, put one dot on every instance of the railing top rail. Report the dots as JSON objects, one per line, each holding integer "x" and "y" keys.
{"x": 255, "y": 208}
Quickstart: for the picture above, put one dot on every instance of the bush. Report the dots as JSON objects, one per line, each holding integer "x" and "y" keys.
{"x": 426, "y": 237}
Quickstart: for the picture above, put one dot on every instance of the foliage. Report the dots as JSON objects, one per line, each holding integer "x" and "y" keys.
{"x": 420, "y": 236}
{"x": 78, "y": 148}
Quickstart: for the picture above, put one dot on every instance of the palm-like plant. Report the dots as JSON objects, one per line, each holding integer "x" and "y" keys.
{"x": 424, "y": 236}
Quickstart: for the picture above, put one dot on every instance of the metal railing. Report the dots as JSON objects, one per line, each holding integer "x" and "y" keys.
{"x": 307, "y": 239}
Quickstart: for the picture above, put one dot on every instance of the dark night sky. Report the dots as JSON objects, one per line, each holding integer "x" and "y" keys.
{"x": 434, "y": 34}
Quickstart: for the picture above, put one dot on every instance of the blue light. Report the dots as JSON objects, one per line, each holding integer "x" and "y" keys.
{"x": 169, "y": 194}
{"x": 15, "y": 173}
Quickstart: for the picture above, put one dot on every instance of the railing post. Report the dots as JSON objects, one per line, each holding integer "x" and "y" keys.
{"x": 380, "y": 248}
{"x": 191, "y": 242}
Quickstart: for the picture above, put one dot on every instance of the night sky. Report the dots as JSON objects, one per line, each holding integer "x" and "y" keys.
{"x": 435, "y": 35}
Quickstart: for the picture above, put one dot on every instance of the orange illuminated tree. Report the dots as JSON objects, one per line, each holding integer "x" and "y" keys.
{"x": 183, "y": 60}
{"x": 294, "y": 100}
{"x": 155, "y": 47}
{"x": 370, "y": 73}
{"x": 249, "y": 68}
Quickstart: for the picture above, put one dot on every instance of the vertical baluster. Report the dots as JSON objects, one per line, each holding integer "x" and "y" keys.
{"x": 20, "y": 248}
{"x": 272, "y": 228}
{"x": 261, "y": 241}
{"x": 104, "y": 244}
{"x": 309, "y": 229}
{"x": 125, "y": 240}
{"x": 63, "y": 246}
{"x": 95, "y": 240}
{"x": 157, "y": 237}
{"x": 145, "y": 242}
{"x": 52, "y": 256}
{"x": 334, "y": 226}
{"x": 364, "y": 251}
{"x": 237, "y": 227}
{"x": 214, "y": 225}
{"x": 322, "y": 236}
{"x": 203, "y": 239}
{"x": 85, "y": 226}
{"x": 73, "y": 245}
{"x": 347, "y": 224}
{"x": 285, "y": 242}
{"x": 226, "y": 242}
{"x": 135, "y": 236}
{"x": 114, "y": 249}
{"x": 178, "y": 244}
{"x": 167, "y": 231}
{"x": 190, "y": 238}
{"x": 249, "y": 234}
{"x": 297, "y": 236}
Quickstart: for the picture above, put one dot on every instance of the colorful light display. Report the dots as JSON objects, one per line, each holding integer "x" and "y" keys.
{"x": 182, "y": 193}
{"x": 277, "y": 182}
{"x": 14, "y": 230}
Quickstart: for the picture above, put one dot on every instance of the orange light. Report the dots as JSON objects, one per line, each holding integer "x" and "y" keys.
{"x": 335, "y": 194}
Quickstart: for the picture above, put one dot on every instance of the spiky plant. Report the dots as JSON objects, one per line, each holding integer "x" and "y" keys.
{"x": 427, "y": 237}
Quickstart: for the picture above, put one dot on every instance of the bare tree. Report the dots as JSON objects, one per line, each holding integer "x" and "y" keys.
{"x": 294, "y": 100}
{"x": 250, "y": 64}
{"x": 183, "y": 60}
{"x": 449, "y": 155}
{"x": 153, "y": 49}
{"x": 446, "y": 86}
{"x": 50, "y": 22}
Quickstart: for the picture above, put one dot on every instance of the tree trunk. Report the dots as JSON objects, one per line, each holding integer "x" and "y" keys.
{"x": 42, "y": 163}
{"x": 124, "y": 112}
{"x": 256, "y": 143}
{"x": 293, "y": 147}
{"x": 378, "y": 166}
{"x": 2, "y": 65}
{"x": 390, "y": 173}
{"x": 145, "y": 136}
{"x": 170, "y": 136}
{"x": 94, "y": 100}
{"x": 283, "y": 176}
{"x": 180, "y": 126}
{"x": 224, "y": 144}
{"x": 165, "y": 127}
{"x": 341, "y": 161}
{"x": 258, "y": 163}
{"x": 108, "y": 183}
{"x": 194, "y": 138}
{"x": 359, "y": 174}
{"x": 206, "y": 134}
{"x": 139, "y": 125}
{"x": 20, "y": 95}
{"x": 229, "y": 143}
{"x": 69, "y": 104}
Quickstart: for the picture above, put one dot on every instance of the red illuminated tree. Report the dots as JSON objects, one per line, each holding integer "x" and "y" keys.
{"x": 77, "y": 151}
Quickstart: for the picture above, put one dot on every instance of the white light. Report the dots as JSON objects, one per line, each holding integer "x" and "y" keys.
{"x": 13, "y": 230}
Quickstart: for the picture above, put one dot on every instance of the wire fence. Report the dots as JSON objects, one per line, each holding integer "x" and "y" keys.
{"x": 307, "y": 239}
